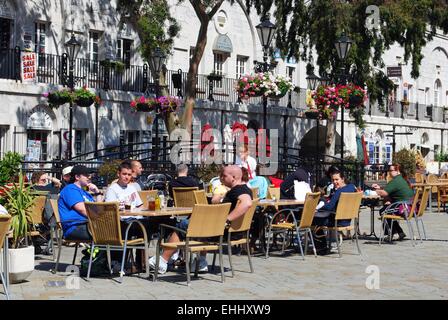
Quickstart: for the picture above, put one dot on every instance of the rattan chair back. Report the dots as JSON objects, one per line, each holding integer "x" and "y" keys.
{"x": 104, "y": 223}
{"x": 184, "y": 197}
{"x": 348, "y": 205}
{"x": 243, "y": 223}
{"x": 309, "y": 208}
{"x": 200, "y": 197}
{"x": 208, "y": 220}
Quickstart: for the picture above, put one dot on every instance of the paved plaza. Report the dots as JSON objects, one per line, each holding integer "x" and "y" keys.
{"x": 405, "y": 272}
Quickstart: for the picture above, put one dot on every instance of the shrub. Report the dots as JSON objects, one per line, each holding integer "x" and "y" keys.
{"x": 407, "y": 160}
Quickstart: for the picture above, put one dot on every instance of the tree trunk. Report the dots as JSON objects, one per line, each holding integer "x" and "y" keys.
{"x": 330, "y": 141}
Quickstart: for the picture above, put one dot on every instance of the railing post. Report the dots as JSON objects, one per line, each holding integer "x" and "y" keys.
{"x": 63, "y": 71}
{"x": 145, "y": 78}
{"x": 106, "y": 75}
{"x": 416, "y": 112}
{"x": 17, "y": 52}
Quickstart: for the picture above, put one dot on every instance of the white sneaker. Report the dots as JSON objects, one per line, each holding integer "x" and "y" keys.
{"x": 163, "y": 265}
{"x": 203, "y": 265}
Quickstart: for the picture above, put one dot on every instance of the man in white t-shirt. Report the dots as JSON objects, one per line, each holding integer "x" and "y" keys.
{"x": 244, "y": 160}
{"x": 123, "y": 190}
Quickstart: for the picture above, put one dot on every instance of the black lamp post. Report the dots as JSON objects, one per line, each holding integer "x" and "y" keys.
{"x": 156, "y": 63}
{"x": 343, "y": 45}
{"x": 313, "y": 81}
{"x": 265, "y": 30}
{"x": 73, "y": 46}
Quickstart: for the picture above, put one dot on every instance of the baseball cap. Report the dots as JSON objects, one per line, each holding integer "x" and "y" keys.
{"x": 67, "y": 170}
{"x": 78, "y": 170}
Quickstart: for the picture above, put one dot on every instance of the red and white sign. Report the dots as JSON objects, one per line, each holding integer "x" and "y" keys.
{"x": 28, "y": 66}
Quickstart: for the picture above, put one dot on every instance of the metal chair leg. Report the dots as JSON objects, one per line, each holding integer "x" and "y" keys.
{"x": 221, "y": 264}
{"x": 312, "y": 242}
{"x": 268, "y": 241}
{"x": 299, "y": 243}
{"x": 92, "y": 250}
{"x": 5, "y": 288}
{"x": 76, "y": 252}
{"x": 109, "y": 259}
{"x": 59, "y": 255}
{"x": 214, "y": 261}
{"x": 336, "y": 237}
{"x": 249, "y": 256}
{"x": 229, "y": 253}
{"x": 411, "y": 231}
{"x": 187, "y": 264}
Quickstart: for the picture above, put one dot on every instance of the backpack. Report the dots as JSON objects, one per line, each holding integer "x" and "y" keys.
{"x": 99, "y": 263}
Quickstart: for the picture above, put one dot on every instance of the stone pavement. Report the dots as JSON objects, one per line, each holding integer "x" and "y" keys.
{"x": 405, "y": 272}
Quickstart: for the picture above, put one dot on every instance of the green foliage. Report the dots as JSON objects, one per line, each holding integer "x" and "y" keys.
{"x": 441, "y": 157}
{"x": 407, "y": 160}
{"x": 18, "y": 202}
{"x": 83, "y": 93}
{"x": 207, "y": 172}
{"x": 9, "y": 167}
{"x": 109, "y": 170}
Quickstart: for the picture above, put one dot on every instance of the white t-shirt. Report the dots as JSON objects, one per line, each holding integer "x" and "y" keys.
{"x": 127, "y": 194}
{"x": 250, "y": 164}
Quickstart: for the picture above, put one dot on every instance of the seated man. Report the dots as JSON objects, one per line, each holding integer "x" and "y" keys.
{"x": 66, "y": 176}
{"x": 41, "y": 182}
{"x": 123, "y": 190}
{"x": 240, "y": 197}
{"x": 72, "y": 209}
{"x": 183, "y": 179}
{"x": 137, "y": 177}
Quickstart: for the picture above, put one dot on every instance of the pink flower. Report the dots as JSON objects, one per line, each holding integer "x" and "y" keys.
{"x": 46, "y": 94}
{"x": 133, "y": 104}
{"x": 141, "y": 99}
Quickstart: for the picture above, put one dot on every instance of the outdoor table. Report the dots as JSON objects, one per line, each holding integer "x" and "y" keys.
{"x": 165, "y": 212}
{"x": 430, "y": 184}
{"x": 371, "y": 202}
{"x": 265, "y": 203}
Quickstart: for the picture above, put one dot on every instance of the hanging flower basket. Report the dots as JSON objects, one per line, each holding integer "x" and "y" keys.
{"x": 84, "y": 102}
{"x": 263, "y": 84}
{"x": 58, "y": 98}
{"x": 163, "y": 104}
{"x": 83, "y": 97}
{"x": 143, "y": 107}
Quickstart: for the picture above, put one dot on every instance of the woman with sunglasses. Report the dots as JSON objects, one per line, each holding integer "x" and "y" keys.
{"x": 398, "y": 189}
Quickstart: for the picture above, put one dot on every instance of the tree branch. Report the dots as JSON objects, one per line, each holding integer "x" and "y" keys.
{"x": 215, "y": 8}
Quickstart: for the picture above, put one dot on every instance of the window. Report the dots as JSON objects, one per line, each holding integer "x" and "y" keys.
{"x": 94, "y": 38}
{"x": 41, "y": 136}
{"x": 374, "y": 152}
{"x": 241, "y": 66}
{"x": 427, "y": 96}
{"x": 437, "y": 92}
{"x": 39, "y": 42}
{"x": 291, "y": 73}
{"x": 218, "y": 68}
{"x": 39, "y": 37}
{"x": 124, "y": 51}
{"x": 80, "y": 142}
{"x": 387, "y": 153}
{"x": 3, "y": 140}
{"x": 5, "y": 33}
{"x": 129, "y": 138}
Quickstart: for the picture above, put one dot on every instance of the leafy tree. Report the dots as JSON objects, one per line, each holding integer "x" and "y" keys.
{"x": 305, "y": 29}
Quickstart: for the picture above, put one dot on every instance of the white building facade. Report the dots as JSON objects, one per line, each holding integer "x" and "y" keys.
{"x": 232, "y": 47}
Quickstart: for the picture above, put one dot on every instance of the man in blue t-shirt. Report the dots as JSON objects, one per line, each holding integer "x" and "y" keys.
{"x": 72, "y": 209}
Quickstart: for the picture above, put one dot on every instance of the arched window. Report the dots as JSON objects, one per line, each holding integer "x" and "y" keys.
{"x": 437, "y": 92}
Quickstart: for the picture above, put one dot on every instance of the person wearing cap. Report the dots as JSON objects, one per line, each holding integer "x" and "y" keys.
{"x": 71, "y": 205}
{"x": 66, "y": 176}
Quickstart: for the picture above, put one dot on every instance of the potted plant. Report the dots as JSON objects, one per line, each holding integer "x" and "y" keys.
{"x": 57, "y": 98}
{"x": 327, "y": 101}
{"x": 250, "y": 86}
{"x": 279, "y": 87}
{"x": 18, "y": 201}
{"x": 83, "y": 97}
{"x": 168, "y": 104}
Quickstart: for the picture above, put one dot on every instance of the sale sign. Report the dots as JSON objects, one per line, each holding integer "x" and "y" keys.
{"x": 28, "y": 66}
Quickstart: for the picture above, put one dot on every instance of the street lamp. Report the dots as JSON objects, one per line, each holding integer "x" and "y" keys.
{"x": 312, "y": 81}
{"x": 325, "y": 80}
{"x": 265, "y": 30}
{"x": 73, "y": 46}
{"x": 157, "y": 61}
{"x": 343, "y": 45}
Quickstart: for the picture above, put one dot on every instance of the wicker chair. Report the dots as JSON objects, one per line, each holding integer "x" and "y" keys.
{"x": 291, "y": 224}
{"x": 5, "y": 221}
{"x": 432, "y": 178}
{"x": 348, "y": 208}
{"x": 254, "y": 192}
{"x": 59, "y": 235}
{"x": 273, "y": 193}
{"x": 200, "y": 197}
{"x": 104, "y": 225}
{"x": 241, "y": 225}
{"x": 421, "y": 210}
{"x": 184, "y": 197}
{"x": 206, "y": 221}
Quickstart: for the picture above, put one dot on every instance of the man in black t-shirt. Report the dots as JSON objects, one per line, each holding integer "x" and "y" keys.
{"x": 231, "y": 177}
{"x": 183, "y": 179}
